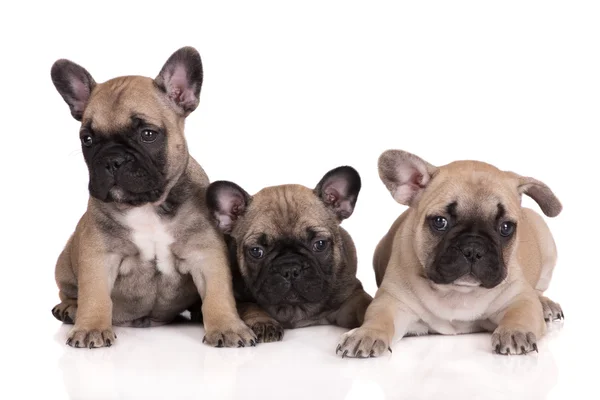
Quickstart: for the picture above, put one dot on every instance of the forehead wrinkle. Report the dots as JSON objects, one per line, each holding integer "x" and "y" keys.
{"x": 476, "y": 187}
{"x": 438, "y": 197}
{"x": 114, "y": 102}
{"x": 286, "y": 211}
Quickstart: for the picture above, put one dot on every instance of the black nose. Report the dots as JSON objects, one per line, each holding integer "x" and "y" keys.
{"x": 473, "y": 251}
{"x": 113, "y": 163}
{"x": 290, "y": 271}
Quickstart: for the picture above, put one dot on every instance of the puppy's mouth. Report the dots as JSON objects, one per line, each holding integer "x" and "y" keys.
{"x": 292, "y": 297}
{"x": 467, "y": 281}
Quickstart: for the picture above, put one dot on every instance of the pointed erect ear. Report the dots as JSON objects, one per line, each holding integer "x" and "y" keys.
{"x": 74, "y": 84}
{"x": 338, "y": 189}
{"x": 181, "y": 78}
{"x": 227, "y": 202}
{"x": 405, "y": 175}
{"x": 541, "y": 193}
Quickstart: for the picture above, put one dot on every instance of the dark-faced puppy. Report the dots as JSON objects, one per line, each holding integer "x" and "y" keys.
{"x": 145, "y": 249}
{"x": 293, "y": 265}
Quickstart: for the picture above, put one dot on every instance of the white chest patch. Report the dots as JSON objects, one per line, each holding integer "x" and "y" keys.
{"x": 151, "y": 236}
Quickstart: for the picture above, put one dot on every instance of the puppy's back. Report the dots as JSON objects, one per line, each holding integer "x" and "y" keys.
{"x": 537, "y": 251}
{"x": 383, "y": 251}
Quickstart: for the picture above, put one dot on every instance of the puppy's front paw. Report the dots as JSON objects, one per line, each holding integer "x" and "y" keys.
{"x": 235, "y": 334}
{"x": 552, "y": 310}
{"x": 363, "y": 343}
{"x": 513, "y": 341}
{"x": 267, "y": 331}
{"x": 82, "y": 337}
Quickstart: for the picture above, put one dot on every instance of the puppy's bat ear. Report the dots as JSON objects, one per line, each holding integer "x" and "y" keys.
{"x": 541, "y": 193}
{"x": 181, "y": 79}
{"x": 226, "y": 202}
{"x": 338, "y": 189}
{"x": 74, "y": 84}
{"x": 404, "y": 175}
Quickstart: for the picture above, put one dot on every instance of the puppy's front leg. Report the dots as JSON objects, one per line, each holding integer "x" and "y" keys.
{"x": 223, "y": 327}
{"x": 93, "y": 322}
{"x": 385, "y": 317}
{"x": 519, "y": 326}
{"x": 266, "y": 328}
{"x": 351, "y": 314}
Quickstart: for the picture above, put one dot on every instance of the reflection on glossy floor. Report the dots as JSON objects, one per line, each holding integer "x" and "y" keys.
{"x": 171, "y": 362}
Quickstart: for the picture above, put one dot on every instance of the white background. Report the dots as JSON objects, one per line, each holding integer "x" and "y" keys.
{"x": 291, "y": 91}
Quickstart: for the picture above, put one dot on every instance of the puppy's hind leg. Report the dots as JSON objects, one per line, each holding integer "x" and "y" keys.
{"x": 66, "y": 310}
{"x": 548, "y": 256}
{"x": 266, "y": 328}
{"x": 552, "y": 311}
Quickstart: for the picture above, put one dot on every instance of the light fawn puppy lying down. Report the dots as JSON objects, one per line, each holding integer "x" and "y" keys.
{"x": 464, "y": 257}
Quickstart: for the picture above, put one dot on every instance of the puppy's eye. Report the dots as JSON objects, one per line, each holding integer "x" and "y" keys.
{"x": 507, "y": 228}
{"x": 148, "y": 136}
{"x": 439, "y": 223}
{"x": 320, "y": 245}
{"x": 86, "y": 140}
{"x": 256, "y": 252}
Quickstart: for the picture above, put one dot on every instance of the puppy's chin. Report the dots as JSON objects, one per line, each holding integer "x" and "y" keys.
{"x": 122, "y": 198}
{"x": 290, "y": 298}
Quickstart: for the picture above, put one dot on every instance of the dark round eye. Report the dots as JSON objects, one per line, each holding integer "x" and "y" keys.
{"x": 256, "y": 252}
{"x": 439, "y": 223}
{"x": 320, "y": 245}
{"x": 148, "y": 136}
{"x": 86, "y": 140}
{"x": 507, "y": 228}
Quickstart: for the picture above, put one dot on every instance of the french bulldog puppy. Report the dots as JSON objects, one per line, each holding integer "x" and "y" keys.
{"x": 464, "y": 257}
{"x": 293, "y": 264}
{"x": 145, "y": 249}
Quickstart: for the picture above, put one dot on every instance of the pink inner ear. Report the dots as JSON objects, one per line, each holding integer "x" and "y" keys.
{"x": 81, "y": 94}
{"x": 179, "y": 89}
{"x": 334, "y": 198}
{"x": 231, "y": 206}
{"x": 415, "y": 179}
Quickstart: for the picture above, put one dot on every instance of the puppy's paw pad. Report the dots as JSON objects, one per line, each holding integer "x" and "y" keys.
{"x": 268, "y": 331}
{"x": 91, "y": 338}
{"x": 506, "y": 341}
{"x": 65, "y": 312}
{"x": 552, "y": 311}
{"x": 239, "y": 335}
{"x": 363, "y": 343}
